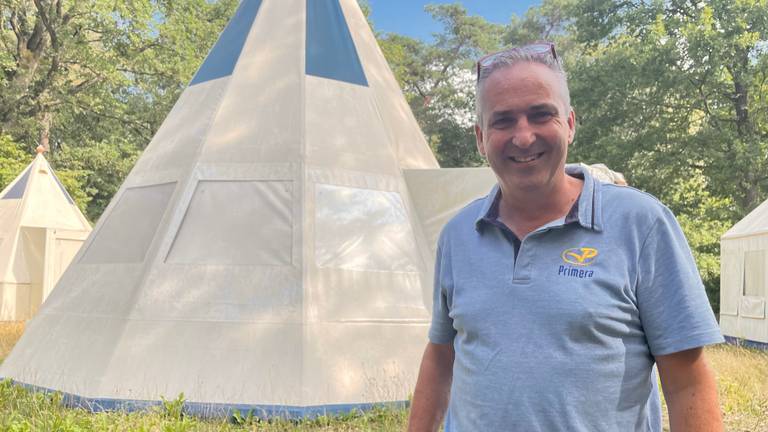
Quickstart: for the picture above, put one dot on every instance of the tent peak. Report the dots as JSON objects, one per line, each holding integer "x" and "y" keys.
{"x": 40, "y": 149}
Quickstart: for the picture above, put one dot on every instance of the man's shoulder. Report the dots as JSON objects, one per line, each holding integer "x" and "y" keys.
{"x": 627, "y": 204}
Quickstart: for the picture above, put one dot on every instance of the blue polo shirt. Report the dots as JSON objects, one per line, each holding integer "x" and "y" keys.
{"x": 563, "y": 337}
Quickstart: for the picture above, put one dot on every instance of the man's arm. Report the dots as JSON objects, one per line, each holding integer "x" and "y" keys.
{"x": 690, "y": 391}
{"x": 433, "y": 388}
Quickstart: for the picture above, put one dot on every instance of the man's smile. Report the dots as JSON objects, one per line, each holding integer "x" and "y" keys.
{"x": 526, "y": 159}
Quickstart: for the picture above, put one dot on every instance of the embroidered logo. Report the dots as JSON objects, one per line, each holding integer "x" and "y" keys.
{"x": 582, "y": 256}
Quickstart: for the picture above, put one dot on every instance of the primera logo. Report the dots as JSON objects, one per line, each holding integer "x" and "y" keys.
{"x": 582, "y": 256}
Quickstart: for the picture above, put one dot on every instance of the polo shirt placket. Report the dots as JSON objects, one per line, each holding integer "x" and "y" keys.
{"x": 584, "y": 212}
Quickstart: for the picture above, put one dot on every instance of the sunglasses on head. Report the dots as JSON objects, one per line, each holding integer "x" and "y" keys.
{"x": 537, "y": 49}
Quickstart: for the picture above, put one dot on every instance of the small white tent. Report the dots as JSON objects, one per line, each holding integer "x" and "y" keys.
{"x": 744, "y": 279}
{"x": 41, "y": 230}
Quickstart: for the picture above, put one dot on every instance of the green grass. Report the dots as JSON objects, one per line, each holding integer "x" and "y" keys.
{"x": 742, "y": 376}
{"x": 23, "y": 410}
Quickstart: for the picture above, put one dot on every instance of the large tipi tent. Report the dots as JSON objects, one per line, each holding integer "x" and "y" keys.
{"x": 744, "y": 279}
{"x": 41, "y": 230}
{"x": 264, "y": 253}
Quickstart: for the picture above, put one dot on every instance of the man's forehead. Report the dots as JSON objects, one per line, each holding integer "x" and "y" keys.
{"x": 531, "y": 85}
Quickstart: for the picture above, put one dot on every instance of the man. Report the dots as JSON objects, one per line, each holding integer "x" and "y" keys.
{"x": 556, "y": 294}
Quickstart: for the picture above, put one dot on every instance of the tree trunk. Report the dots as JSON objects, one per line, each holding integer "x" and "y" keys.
{"x": 45, "y": 131}
{"x": 745, "y": 132}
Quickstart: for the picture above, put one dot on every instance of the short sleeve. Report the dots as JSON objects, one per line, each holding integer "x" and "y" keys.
{"x": 441, "y": 330}
{"x": 674, "y": 309}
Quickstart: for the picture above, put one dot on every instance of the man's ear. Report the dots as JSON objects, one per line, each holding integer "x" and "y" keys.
{"x": 571, "y": 126}
{"x": 479, "y": 140}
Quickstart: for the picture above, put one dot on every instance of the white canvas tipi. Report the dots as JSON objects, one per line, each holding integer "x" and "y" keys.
{"x": 744, "y": 280}
{"x": 41, "y": 230}
{"x": 264, "y": 252}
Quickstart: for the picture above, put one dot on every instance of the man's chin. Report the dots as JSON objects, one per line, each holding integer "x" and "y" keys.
{"x": 527, "y": 183}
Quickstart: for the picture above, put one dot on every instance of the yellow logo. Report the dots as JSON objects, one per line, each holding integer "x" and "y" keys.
{"x": 582, "y": 256}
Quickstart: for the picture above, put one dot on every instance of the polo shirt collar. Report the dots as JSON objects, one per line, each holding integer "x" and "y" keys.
{"x": 589, "y": 202}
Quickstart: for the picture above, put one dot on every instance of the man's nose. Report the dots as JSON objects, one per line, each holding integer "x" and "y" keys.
{"x": 523, "y": 134}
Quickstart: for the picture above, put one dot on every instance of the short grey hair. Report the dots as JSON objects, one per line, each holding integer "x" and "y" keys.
{"x": 506, "y": 59}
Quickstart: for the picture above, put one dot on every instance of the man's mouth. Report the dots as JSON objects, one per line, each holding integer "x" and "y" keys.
{"x": 526, "y": 159}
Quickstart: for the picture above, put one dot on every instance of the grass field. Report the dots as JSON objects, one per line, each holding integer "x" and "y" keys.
{"x": 742, "y": 376}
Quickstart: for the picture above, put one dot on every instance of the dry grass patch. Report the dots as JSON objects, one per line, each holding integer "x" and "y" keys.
{"x": 10, "y": 332}
{"x": 742, "y": 377}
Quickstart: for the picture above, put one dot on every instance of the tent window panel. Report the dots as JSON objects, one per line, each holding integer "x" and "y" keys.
{"x": 363, "y": 229}
{"x": 130, "y": 226}
{"x": 754, "y": 273}
{"x": 237, "y": 223}
{"x": 731, "y": 282}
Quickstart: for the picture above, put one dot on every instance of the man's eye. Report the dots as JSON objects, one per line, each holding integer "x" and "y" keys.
{"x": 503, "y": 122}
{"x": 540, "y": 116}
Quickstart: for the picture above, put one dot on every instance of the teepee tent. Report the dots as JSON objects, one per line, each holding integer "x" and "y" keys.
{"x": 264, "y": 252}
{"x": 41, "y": 230}
{"x": 744, "y": 279}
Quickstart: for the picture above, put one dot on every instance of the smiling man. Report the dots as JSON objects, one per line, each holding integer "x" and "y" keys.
{"x": 556, "y": 294}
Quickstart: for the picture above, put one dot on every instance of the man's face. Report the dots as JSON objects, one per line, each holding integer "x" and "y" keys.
{"x": 526, "y": 126}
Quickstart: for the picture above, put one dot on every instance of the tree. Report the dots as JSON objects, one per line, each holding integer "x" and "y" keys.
{"x": 673, "y": 94}
{"x": 438, "y": 79}
{"x": 681, "y": 82}
{"x": 96, "y": 73}
{"x": 12, "y": 160}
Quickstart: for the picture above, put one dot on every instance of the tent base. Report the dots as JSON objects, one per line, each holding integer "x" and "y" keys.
{"x": 746, "y": 343}
{"x": 215, "y": 410}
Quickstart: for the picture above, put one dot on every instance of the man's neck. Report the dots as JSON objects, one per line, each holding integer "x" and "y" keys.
{"x": 526, "y": 210}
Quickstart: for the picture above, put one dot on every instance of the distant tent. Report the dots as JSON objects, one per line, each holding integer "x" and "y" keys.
{"x": 41, "y": 230}
{"x": 264, "y": 252}
{"x": 744, "y": 279}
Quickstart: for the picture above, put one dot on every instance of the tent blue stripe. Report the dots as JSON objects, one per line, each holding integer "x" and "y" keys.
{"x": 17, "y": 190}
{"x": 223, "y": 57}
{"x": 331, "y": 52}
{"x": 746, "y": 343}
{"x": 216, "y": 410}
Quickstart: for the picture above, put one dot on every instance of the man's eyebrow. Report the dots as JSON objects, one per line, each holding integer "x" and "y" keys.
{"x": 544, "y": 107}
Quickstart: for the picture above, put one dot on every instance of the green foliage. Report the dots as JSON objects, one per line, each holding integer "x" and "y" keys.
{"x": 12, "y": 160}
{"x": 173, "y": 409}
{"x": 703, "y": 218}
{"x": 686, "y": 81}
{"x": 91, "y": 74}
{"x": 95, "y": 172}
{"x": 438, "y": 81}
{"x": 673, "y": 94}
